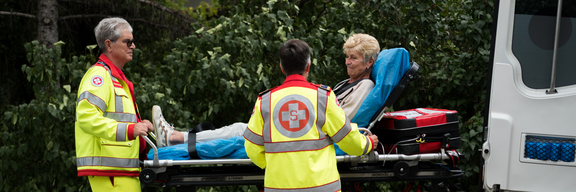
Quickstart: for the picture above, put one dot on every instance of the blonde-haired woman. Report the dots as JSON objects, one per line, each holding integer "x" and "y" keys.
{"x": 361, "y": 52}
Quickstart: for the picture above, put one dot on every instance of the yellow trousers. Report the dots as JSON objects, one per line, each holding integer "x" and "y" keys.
{"x": 114, "y": 184}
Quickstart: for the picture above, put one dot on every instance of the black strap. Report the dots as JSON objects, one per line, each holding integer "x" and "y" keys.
{"x": 192, "y": 145}
{"x": 345, "y": 86}
{"x": 203, "y": 126}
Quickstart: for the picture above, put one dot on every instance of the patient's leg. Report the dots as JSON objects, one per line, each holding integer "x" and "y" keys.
{"x": 164, "y": 129}
{"x": 226, "y": 132}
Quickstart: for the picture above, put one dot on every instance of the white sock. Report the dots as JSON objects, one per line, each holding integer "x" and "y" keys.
{"x": 185, "y": 136}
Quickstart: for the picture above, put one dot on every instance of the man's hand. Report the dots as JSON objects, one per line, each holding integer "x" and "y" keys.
{"x": 142, "y": 128}
{"x": 374, "y": 138}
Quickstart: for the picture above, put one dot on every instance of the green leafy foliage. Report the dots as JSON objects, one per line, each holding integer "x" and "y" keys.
{"x": 37, "y": 143}
{"x": 215, "y": 74}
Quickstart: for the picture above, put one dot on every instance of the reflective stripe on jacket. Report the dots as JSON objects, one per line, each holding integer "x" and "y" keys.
{"x": 105, "y": 119}
{"x": 291, "y": 132}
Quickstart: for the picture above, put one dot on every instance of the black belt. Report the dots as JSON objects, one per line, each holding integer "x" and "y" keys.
{"x": 192, "y": 138}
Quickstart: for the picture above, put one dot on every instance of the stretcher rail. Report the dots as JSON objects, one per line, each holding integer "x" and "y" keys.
{"x": 340, "y": 159}
{"x": 371, "y": 158}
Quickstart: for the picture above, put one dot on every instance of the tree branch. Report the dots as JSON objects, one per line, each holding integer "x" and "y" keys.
{"x": 301, "y": 4}
{"x": 153, "y": 4}
{"x": 166, "y": 9}
{"x": 18, "y": 14}
{"x": 103, "y": 16}
{"x": 83, "y": 16}
{"x": 158, "y": 6}
{"x": 321, "y": 11}
{"x": 151, "y": 23}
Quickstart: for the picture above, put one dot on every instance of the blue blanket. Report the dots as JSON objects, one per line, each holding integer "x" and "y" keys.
{"x": 387, "y": 72}
{"x": 232, "y": 148}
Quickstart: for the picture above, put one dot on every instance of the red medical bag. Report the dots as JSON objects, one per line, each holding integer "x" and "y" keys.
{"x": 418, "y": 130}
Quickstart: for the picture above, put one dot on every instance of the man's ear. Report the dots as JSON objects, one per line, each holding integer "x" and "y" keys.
{"x": 308, "y": 67}
{"x": 108, "y": 45}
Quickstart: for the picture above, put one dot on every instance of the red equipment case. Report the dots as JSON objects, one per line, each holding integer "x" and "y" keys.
{"x": 418, "y": 130}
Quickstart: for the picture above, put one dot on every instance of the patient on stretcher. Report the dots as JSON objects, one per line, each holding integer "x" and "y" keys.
{"x": 360, "y": 96}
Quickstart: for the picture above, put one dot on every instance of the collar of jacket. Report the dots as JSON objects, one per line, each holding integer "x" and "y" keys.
{"x": 295, "y": 78}
{"x": 115, "y": 71}
{"x": 120, "y": 75}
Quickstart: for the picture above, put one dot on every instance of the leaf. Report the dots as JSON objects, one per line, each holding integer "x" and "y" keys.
{"x": 199, "y": 30}
{"x": 59, "y": 43}
{"x": 473, "y": 133}
{"x": 49, "y": 145}
{"x": 240, "y": 82}
{"x": 52, "y": 109}
{"x": 159, "y": 96}
{"x": 259, "y": 71}
{"x": 7, "y": 115}
{"x": 476, "y": 169}
{"x": 281, "y": 33}
{"x": 144, "y": 98}
{"x": 14, "y": 119}
{"x": 67, "y": 88}
{"x": 215, "y": 29}
{"x": 64, "y": 102}
{"x": 91, "y": 47}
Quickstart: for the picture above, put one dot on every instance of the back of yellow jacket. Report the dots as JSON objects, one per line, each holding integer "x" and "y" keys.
{"x": 290, "y": 134}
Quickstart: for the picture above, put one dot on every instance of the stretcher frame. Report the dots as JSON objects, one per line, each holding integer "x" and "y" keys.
{"x": 189, "y": 174}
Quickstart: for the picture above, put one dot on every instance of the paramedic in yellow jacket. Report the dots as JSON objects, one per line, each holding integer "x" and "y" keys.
{"x": 293, "y": 126}
{"x": 108, "y": 126}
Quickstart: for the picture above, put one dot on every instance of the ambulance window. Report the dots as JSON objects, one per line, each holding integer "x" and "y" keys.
{"x": 533, "y": 42}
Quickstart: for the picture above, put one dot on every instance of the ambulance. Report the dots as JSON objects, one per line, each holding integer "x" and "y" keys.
{"x": 530, "y": 130}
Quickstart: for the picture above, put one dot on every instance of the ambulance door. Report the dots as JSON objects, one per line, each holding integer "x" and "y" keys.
{"x": 530, "y": 130}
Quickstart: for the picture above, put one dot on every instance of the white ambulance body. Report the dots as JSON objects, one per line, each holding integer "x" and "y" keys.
{"x": 530, "y": 128}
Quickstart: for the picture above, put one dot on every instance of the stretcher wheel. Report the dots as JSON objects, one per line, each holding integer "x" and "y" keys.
{"x": 401, "y": 169}
{"x": 147, "y": 176}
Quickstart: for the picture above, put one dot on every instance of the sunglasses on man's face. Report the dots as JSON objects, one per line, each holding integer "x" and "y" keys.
{"x": 128, "y": 42}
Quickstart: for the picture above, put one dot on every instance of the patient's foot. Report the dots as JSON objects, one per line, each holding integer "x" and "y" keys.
{"x": 162, "y": 129}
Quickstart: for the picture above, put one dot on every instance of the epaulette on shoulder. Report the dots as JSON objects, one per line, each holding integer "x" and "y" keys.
{"x": 98, "y": 64}
{"x": 268, "y": 90}
{"x": 325, "y": 87}
{"x": 264, "y": 92}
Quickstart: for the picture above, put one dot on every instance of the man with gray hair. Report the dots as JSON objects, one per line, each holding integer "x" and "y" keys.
{"x": 108, "y": 127}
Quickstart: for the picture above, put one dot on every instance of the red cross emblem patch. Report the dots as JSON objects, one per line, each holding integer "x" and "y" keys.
{"x": 97, "y": 81}
{"x": 294, "y": 116}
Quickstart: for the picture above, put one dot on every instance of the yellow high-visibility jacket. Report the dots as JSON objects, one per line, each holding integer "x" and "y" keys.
{"x": 291, "y": 135}
{"x": 105, "y": 117}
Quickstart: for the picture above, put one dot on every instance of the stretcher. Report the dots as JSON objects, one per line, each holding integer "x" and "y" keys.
{"x": 439, "y": 168}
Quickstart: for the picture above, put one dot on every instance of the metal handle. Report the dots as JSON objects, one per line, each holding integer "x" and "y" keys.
{"x": 156, "y": 162}
{"x": 366, "y": 130}
{"x": 555, "y": 53}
